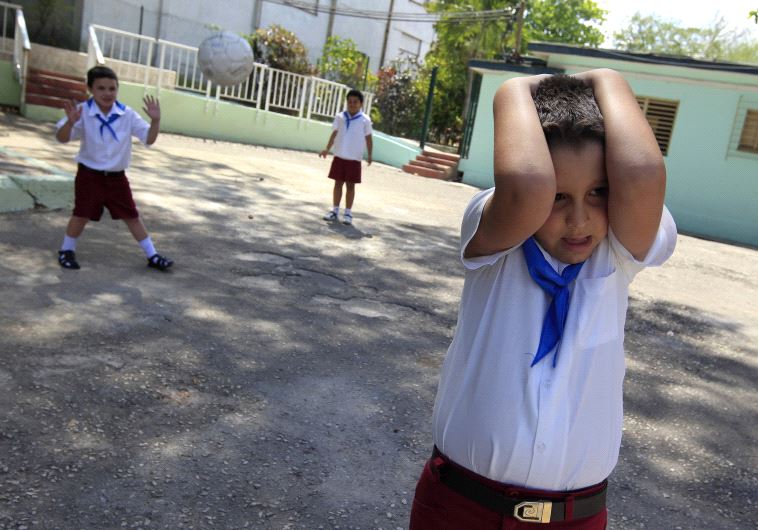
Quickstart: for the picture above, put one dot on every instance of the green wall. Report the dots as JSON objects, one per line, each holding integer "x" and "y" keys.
{"x": 711, "y": 191}
{"x": 10, "y": 90}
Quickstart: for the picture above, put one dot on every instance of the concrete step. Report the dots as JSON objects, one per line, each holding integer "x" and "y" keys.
{"x": 52, "y": 81}
{"x": 46, "y": 101}
{"x": 429, "y": 165}
{"x": 50, "y": 73}
{"x": 425, "y": 172}
{"x": 437, "y": 160}
{"x": 57, "y": 92}
{"x": 438, "y": 154}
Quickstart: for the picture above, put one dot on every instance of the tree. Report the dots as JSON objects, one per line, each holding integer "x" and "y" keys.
{"x": 567, "y": 21}
{"x": 397, "y": 105}
{"x": 280, "y": 48}
{"x": 342, "y": 62}
{"x": 51, "y": 22}
{"x": 648, "y": 34}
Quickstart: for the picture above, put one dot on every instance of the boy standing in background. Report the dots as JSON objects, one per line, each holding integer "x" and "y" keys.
{"x": 351, "y": 134}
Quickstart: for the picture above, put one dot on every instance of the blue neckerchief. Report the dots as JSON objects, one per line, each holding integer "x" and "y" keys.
{"x": 556, "y": 286}
{"x": 107, "y": 123}
{"x": 348, "y": 118}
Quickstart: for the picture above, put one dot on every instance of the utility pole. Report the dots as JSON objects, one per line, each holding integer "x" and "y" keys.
{"x": 257, "y": 8}
{"x": 519, "y": 28}
{"x": 386, "y": 33}
{"x": 330, "y": 25}
{"x": 428, "y": 109}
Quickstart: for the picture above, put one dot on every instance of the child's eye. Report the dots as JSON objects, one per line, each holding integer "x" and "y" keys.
{"x": 599, "y": 192}
{"x": 559, "y": 197}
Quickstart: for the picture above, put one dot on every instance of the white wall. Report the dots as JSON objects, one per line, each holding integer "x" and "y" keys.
{"x": 186, "y": 21}
{"x": 182, "y": 21}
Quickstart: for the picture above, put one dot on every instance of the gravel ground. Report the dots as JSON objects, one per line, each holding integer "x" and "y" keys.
{"x": 283, "y": 374}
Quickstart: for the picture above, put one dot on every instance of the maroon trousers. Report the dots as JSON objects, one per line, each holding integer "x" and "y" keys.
{"x": 437, "y": 507}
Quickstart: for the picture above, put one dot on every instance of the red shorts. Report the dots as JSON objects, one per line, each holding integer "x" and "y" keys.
{"x": 345, "y": 170}
{"x": 437, "y": 507}
{"x": 94, "y": 191}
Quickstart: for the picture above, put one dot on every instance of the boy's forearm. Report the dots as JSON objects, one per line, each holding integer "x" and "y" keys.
{"x": 330, "y": 143}
{"x": 63, "y": 135}
{"x": 630, "y": 142}
{"x": 523, "y": 167}
{"x": 369, "y": 146}
{"x": 524, "y": 175}
{"x": 634, "y": 163}
{"x": 152, "y": 133}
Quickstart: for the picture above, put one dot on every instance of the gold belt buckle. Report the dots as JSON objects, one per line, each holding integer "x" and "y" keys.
{"x": 533, "y": 511}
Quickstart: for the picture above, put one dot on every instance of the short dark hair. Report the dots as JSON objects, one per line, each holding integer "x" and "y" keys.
{"x": 568, "y": 111}
{"x": 97, "y": 72}
{"x": 355, "y": 93}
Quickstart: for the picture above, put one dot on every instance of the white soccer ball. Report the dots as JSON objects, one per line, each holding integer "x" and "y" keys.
{"x": 225, "y": 58}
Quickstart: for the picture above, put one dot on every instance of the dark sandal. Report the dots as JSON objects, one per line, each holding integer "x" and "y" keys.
{"x": 67, "y": 259}
{"x": 159, "y": 262}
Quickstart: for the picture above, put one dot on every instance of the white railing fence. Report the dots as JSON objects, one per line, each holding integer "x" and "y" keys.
{"x": 165, "y": 64}
{"x": 20, "y": 44}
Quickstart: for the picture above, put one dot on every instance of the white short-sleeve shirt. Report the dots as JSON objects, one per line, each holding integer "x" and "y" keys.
{"x": 107, "y": 148}
{"x": 554, "y": 428}
{"x": 351, "y": 135}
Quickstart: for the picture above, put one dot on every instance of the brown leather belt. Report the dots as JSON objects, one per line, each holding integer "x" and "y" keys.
{"x": 103, "y": 173}
{"x": 525, "y": 509}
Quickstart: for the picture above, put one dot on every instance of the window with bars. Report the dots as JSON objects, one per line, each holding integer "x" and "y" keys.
{"x": 749, "y": 136}
{"x": 660, "y": 114}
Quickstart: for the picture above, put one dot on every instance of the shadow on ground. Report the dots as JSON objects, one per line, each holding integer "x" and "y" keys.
{"x": 283, "y": 374}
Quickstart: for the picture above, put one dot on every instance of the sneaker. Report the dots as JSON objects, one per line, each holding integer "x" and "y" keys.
{"x": 162, "y": 263}
{"x": 331, "y": 216}
{"x": 67, "y": 259}
{"x": 347, "y": 219}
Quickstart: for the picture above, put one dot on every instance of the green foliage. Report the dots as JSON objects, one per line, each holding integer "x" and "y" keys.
{"x": 398, "y": 105}
{"x": 51, "y": 22}
{"x": 343, "y": 63}
{"x": 566, "y": 21}
{"x": 280, "y": 48}
{"x": 648, "y": 34}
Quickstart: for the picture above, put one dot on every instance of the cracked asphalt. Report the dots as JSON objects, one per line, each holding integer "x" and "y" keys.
{"x": 283, "y": 374}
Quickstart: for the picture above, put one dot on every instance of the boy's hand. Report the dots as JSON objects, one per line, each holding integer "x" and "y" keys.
{"x": 73, "y": 112}
{"x": 324, "y": 153}
{"x": 152, "y": 107}
{"x": 369, "y": 160}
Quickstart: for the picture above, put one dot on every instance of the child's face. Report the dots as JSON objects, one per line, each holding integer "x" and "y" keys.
{"x": 105, "y": 91}
{"x": 579, "y": 220}
{"x": 353, "y": 104}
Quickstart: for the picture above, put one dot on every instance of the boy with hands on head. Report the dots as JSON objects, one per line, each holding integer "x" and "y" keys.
{"x": 105, "y": 127}
{"x": 528, "y": 415}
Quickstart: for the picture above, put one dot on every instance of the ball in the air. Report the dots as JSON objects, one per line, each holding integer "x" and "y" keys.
{"x": 225, "y": 58}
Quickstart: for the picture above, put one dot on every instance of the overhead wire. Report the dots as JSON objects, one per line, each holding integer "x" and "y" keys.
{"x": 448, "y": 16}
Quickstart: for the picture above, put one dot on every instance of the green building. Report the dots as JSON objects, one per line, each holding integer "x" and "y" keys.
{"x": 704, "y": 115}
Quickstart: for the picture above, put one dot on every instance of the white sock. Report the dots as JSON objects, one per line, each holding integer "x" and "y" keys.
{"x": 336, "y": 209}
{"x": 147, "y": 246}
{"x": 348, "y": 211}
{"x": 69, "y": 243}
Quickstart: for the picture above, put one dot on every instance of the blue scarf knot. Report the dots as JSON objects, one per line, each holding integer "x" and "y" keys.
{"x": 348, "y": 118}
{"x": 106, "y": 124}
{"x": 556, "y": 286}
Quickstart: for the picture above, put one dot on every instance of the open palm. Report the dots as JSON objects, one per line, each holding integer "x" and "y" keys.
{"x": 152, "y": 107}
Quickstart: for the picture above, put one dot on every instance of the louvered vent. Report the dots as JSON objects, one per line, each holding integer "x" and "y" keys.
{"x": 749, "y": 136}
{"x": 660, "y": 114}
